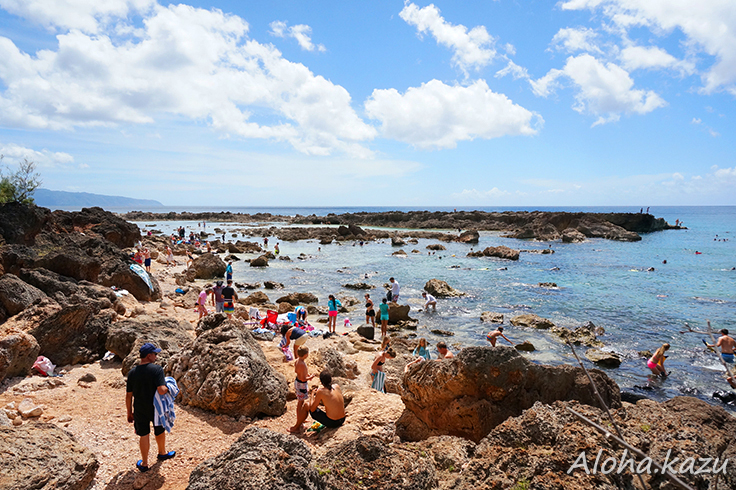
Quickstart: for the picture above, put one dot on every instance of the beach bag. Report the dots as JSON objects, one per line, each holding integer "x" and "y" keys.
{"x": 44, "y": 366}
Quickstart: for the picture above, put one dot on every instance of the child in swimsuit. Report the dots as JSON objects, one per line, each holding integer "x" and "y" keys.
{"x": 656, "y": 362}
{"x": 301, "y": 388}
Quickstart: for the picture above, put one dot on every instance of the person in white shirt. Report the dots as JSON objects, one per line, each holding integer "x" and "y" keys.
{"x": 394, "y": 290}
{"x": 429, "y": 301}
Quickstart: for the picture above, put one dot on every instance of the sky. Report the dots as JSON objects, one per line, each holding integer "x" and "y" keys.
{"x": 381, "y": 103}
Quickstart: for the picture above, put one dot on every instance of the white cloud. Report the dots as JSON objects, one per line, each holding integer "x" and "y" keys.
{"x": 436, "y": 115}
{"x": 573, "y": 39}
{"x": 653, "y": 57}
{"x": 188, "y": 62}
{"x": 14, "y": 153}
{"x": 474, "y": 195}
{"x": 603, "y": 90}
{"x": 85, "y": 15}
{"x": 472, "y": 48}
{"x": 301, "y": 32}
{"x": 514, "y": 70}
{"x": 708, "y": 25}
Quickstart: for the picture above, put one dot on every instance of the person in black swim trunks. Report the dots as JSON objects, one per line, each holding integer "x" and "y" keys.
{"x": 301, "y": 388}
{"x": 331, "y": 397}
{"x": 370, "y": 313}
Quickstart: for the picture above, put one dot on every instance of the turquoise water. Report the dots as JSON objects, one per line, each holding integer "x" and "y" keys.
{"x": 601, "y": 281}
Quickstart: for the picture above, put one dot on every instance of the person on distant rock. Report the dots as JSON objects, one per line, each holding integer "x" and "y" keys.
{"x": 265, "y": 242}
{"x": 394, "y": 290}
{"x": 202, "y": 302}
{"x": 276, "y": 249}
{"x": 147, "y": 259}
{"x": 169, "y": 257}
{"x": 444, "y": 352}
{"x": 332, "y": 305}
{"x": 370, "y": 313}
{"x": 379, "y": 377}
{"x": 301, "y": 388}
{"x": 383, "y": 307}
{"x": 429, "y": 300}
{"x": 656, "y": 362}
{"x": 492, "y": 336}
{"x": 422, "y": 350}
{"x": 217, "y": 299}
{"x": 229, "y": 296}
{"x": 296, "y": 335}
{"x": 190, "y": 259}
{"x": 727, "y": 345}
{"x": 229, "y": 271}
{"x": 143, "y": 382}
{"x": 330, "y": 396}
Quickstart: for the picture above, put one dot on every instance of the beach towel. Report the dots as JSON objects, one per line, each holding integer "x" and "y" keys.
{"x": 138, "y": 269}
{"x": 163, "y": 405}
{"x": 379, "y": 379}
{"x": 254, "y": 313}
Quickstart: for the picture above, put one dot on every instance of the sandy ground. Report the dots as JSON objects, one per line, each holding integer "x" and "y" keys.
{"x": 95, "y": 412}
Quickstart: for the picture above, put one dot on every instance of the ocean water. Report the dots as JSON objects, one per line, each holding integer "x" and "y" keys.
{"x": 600, "y": 281}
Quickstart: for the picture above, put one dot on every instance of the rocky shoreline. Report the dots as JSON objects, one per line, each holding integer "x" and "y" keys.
{"x": 538, "y": 225}
{"x": 489, "y": 418}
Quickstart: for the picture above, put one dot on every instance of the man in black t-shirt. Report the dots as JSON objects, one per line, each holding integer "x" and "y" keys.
{"x": 229, "y": 296}
{"x": 144, "y": 381}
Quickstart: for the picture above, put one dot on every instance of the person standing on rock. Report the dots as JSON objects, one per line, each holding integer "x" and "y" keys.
{"x": 332, "y": 305}
{"x": 727, "y": 345}
{"x": 429, "y": 300}
{"x": 143, "y": 382}
{"x": 383, "y": 307}
{"x": 330, "y": 396}
{"x": 394, "y": 290}
{"x": 229, "y": 271}
{"x": 202, "y": 302}
{"x": 169, "y": 256}
{"x": 301, "y": 388}
{"x": 493, "y": 336}
{"x": 147, "y": 259}
{"x": 228, "y": 297}
{"x": 379, "y": 377}
{"x": 370, "y": 313}
{"x": 217, "y": 299}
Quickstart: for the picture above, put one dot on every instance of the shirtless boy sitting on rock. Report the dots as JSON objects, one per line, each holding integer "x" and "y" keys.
{"x": 331, "y": 397}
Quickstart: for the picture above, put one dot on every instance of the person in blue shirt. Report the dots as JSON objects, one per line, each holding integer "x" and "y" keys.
{"x": 332, "y": 305}
{"x": 421, "y": 350}
{"x": 229, "y": 271}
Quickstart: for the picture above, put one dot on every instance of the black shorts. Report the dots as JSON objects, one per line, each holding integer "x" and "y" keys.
{"x": 323, "y": 419}
{"x": 370, "y": 313}
{"x": 142, "y": 426}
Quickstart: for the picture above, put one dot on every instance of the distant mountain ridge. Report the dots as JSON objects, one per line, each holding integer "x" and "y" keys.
{"x": 51, "y": 199}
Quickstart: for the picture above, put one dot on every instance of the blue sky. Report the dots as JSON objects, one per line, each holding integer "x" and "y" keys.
{"x": 484, "y": 103}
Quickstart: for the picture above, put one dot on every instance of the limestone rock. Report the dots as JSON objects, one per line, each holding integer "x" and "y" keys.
{"x": 441, "y": 289}
{"x": 261, "y": 261}
{"x": 296, "y": 299}
{"x": 479, "y": 388}
{"x": 28, "y": 409}
{"x": 398, "y": 313}
{"x": 549, "y": 285}
{"x": 208, "y": 266}
{"x": 359, "y": 285}
{"x": 256, "y": 298}
{"x": 272, "y": 285}
{"x": 525, "y": 346}
{"x": 502, "y": 252}
{"x": 399, "y": 253}
{"x": 366, "y": 331}
{"x": 16, "y": 295}
{"x": 42, "y": 456}
{"x": 18, "y": 352}
{"x": 260, "y": 459}
{"x": 436, "y": 246}
{"x": 571, "y": 235}
{"x": 225, "y": 371}
{"x": 586, "y": 334}
{"x": 531, "y": 320}
{"x": 329, "y": 358}
{"x": 126, "y": 337}
{"x": 603, "y": 358}
{"x": 397, "y": 241}
{"x": 470, "y": 236}
{"x": 376, "y": 465}
{"x": 491, "y": 317}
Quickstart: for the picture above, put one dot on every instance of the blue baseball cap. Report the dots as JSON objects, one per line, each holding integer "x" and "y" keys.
{"x": 148, "y": 348}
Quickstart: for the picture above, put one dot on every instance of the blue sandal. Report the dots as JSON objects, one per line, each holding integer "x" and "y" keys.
{"x": 140, "y": 466}
{"x": 164, "y": 457}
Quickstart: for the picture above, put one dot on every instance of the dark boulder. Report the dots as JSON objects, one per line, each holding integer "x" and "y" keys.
{"x": 16, "y": 295}
{"x": 225, "y": 371}
{"x": 43, "y": 456}
{"x": 296, "y": 299}
{"x": 208, "y": 266}
{"x": 470, "y": 394}
{"x": 259, "y": 460}
{"x": 261, "y": 261}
